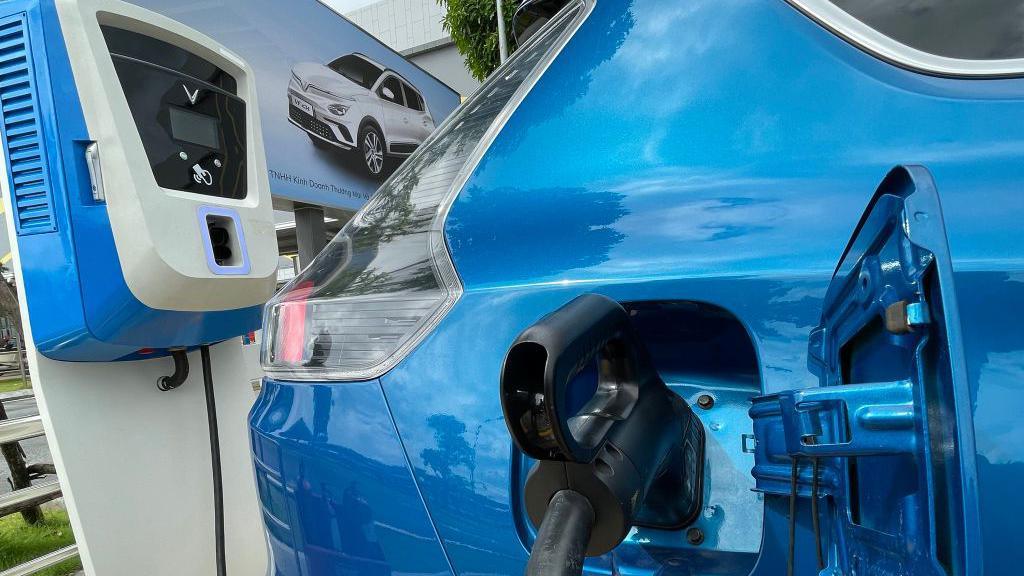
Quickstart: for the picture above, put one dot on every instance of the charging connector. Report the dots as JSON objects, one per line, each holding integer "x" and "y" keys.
{"x": 634, "y": 442}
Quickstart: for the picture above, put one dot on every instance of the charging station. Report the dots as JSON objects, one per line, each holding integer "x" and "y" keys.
{"x": 140, "y": 217}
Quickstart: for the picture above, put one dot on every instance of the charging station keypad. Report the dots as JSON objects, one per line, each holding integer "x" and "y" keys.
{"x": 191, "y": 123}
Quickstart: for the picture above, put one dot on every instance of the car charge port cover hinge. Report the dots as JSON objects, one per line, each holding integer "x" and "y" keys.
{"x": 889, "y": 425}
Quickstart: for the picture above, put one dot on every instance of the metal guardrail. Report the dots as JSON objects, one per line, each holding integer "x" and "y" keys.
{"x": 43, "y": 562}
{"x": 20, "y": 429}
{"x": 28, "y": 497}
{"x": 17, "y": 398}
{"x": 13, "y": 502}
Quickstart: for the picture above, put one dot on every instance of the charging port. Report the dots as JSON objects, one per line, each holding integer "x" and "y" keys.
{"x": 223, "y": 244}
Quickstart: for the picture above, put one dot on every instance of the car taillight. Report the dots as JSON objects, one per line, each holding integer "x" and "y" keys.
{"x": 292, "y": 323}
{"x": 386, "y": 279}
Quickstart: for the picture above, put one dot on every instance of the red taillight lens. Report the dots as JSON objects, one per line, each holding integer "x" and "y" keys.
{"x": 290, "y": 337}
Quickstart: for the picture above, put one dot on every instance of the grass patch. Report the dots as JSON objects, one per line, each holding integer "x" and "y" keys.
{"x": 20, "y": 542}
{"x": 13, "y": 384}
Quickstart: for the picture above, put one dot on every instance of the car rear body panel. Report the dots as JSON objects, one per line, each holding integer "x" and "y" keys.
{"x": 716, "y": 152}
{"x": 335, "y": 486}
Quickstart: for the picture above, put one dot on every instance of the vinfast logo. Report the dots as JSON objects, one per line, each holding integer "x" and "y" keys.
{"x": 192, "y": 96}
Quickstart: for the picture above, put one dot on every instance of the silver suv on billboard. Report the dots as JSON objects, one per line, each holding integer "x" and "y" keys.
{"x": 355, "y": 103}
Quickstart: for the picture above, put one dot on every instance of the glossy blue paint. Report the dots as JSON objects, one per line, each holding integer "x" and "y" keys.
{"x": 335, "y": 485}
{"x": 80, "y": 307}
{"x": 719, "y": 152}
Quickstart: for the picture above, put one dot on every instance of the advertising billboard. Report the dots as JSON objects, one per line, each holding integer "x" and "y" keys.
{"x": 340, "y": 110}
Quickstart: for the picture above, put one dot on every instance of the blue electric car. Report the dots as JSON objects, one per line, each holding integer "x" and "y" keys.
{"x": 802, "y": 218}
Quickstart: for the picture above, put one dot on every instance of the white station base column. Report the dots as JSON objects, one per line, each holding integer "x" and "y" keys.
{"x": 134, "y": 462}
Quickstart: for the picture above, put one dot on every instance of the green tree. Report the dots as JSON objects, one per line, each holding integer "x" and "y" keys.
{"x": 473, "y": 26}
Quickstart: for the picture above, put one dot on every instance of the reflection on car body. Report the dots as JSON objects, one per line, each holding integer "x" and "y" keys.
{"x": 355, "y": 103}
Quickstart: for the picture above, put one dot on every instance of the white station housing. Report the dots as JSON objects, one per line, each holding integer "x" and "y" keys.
{"x": 202, "y": 177}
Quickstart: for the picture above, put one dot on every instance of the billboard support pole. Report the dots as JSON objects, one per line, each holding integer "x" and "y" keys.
{"x": 502, "y": 42}
{"x": 310, "y": 232}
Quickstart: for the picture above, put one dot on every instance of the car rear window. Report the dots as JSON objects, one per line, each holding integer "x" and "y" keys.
{"x": 357, "y": 69}
{"x": 964, "y": 29}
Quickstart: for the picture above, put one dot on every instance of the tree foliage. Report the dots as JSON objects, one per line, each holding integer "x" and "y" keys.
{"x": 473, "y": 26}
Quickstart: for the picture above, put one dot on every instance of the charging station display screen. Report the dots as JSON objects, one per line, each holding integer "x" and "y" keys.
{"x": 194, "y": 128}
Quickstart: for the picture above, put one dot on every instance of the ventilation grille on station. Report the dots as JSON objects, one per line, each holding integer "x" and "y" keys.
{"x": 22, "y": 131}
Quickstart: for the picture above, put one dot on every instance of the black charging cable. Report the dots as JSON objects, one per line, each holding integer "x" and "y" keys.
{"x": 815, "y": 521}
{"x": 175, "y": 380}
{"x": 794, "y": 474}
{"x": 815, "y": 514}
{"x": 218, "y": 479}
{"x": 562, "y": 538}
{"x": 165, "y": 383}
